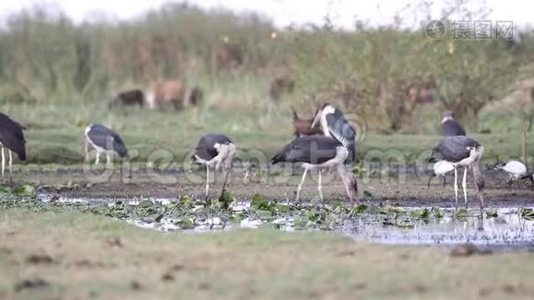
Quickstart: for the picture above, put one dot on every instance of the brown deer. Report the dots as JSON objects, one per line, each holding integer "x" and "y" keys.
{"x": 167, "y": 93}
{"x": 304, "y": 126}
{"x": 131, "y": 97}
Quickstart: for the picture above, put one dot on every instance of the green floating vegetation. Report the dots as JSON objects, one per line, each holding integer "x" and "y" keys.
{"x": 260, "y": 203}
{"x": 226, "y": 199}
{"x": 185, "y": 223}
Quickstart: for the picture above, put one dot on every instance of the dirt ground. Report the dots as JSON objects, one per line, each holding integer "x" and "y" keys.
{"x": 408, "y": 190}
{"x": 70, "y": 255}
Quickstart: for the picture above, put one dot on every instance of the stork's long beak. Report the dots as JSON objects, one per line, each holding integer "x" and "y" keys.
{"x": 317, "y": 118}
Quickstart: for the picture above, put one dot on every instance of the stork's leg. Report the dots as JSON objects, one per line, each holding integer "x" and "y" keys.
{"x": 444, "y": 181}
{"x": 319, "y": 188}
{"x": 97, "y": 160}
{"x": 464, "y": 185}
{"x": 456, "y": 187}
{"x": 301, "y": 182}
{"x": 207, "y": 179}
{"x": 429, "y": 180}
{"x": 86, "y": 149}
{"x": 3, "y": 161}
{"x": 10, "y": 162}
{"x": 227, "y": 170}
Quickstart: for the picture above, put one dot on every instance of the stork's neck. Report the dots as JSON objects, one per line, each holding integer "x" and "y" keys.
{"x": 324, "y": 125}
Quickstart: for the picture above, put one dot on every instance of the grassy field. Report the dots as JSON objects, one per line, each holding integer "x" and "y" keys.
{"x": 78, "y": 256}
{"x": 54, "y": 131}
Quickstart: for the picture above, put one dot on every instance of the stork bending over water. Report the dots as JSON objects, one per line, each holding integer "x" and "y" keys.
{"x": 11, "y": 138}
{"x": 215, "y": 150}
{"x": 441, "y": 168}
{"x": 465, "y": 152}
{"x": 319, "y": 152}
{"x": 103, "y": 140}
{"x": 515, "y": 169}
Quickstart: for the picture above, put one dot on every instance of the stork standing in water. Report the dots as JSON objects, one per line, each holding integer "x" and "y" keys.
{"x": 465, "y": 152}
{"x": 11, "y": 138}
{"x": 215, "y": 150}
{"x": 319, "y": 152}
{"x": 103, "y": 140}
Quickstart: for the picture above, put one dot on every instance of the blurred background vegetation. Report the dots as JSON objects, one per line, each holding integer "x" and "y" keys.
{"x": 398, "y": 80}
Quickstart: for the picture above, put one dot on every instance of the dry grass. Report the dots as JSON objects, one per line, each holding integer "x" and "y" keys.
{"x": 82, "y": 256}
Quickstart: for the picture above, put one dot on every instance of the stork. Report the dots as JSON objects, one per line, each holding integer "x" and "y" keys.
{"x": 449, "y": 125}
{"x": 319, "y": 152}
{"x": 215, "y": 150}
{"x": 441, "y": 168}
{"x": 103, "y": 140}
{"x": 516, "y": 170}
{"x": 337, "y": 127}
{"x": 12, "y": 138}
{"x": 465, "y": 152}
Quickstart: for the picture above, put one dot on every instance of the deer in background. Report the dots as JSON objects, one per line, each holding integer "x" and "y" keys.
{"x": 303, "y": 127}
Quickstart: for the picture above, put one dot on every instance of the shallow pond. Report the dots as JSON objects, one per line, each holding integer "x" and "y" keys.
{"x": 499, "y": 228}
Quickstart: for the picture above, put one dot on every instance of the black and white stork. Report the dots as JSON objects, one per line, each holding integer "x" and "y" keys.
{"x": 515, "y": 169}
{"x": 337, "y": 127}
{"x": 215, "y": 150}
{"x": 103, "y": 140}
{"x": 449, "y": 125}
{"x": 465, "y": 152}
{"x": 441, "y": 168}
{"x": 319, "y": 152}
{"x": 12, "y": 138}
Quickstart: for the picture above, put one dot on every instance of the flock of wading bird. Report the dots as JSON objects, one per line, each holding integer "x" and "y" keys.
{"x": 328, "y": 141}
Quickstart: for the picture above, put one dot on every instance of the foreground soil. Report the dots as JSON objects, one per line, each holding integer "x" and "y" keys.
{"x": 69, "y": 255}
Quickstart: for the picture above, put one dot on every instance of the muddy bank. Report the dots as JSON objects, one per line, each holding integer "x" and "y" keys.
{"x": 406, "y": 190}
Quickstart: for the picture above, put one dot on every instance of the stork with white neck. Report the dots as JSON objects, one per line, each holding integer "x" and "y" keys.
{"x": 337, "y": 127}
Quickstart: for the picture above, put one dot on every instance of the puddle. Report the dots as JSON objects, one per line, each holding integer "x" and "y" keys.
{"x": 497, "y": 228}
{"x": 504, "y": 228}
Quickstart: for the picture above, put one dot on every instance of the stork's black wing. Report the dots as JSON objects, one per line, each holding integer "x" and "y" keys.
{"x": 12, "y": 136}
{"x": 308, "y": 149}
{"x": 454, "y": 148}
